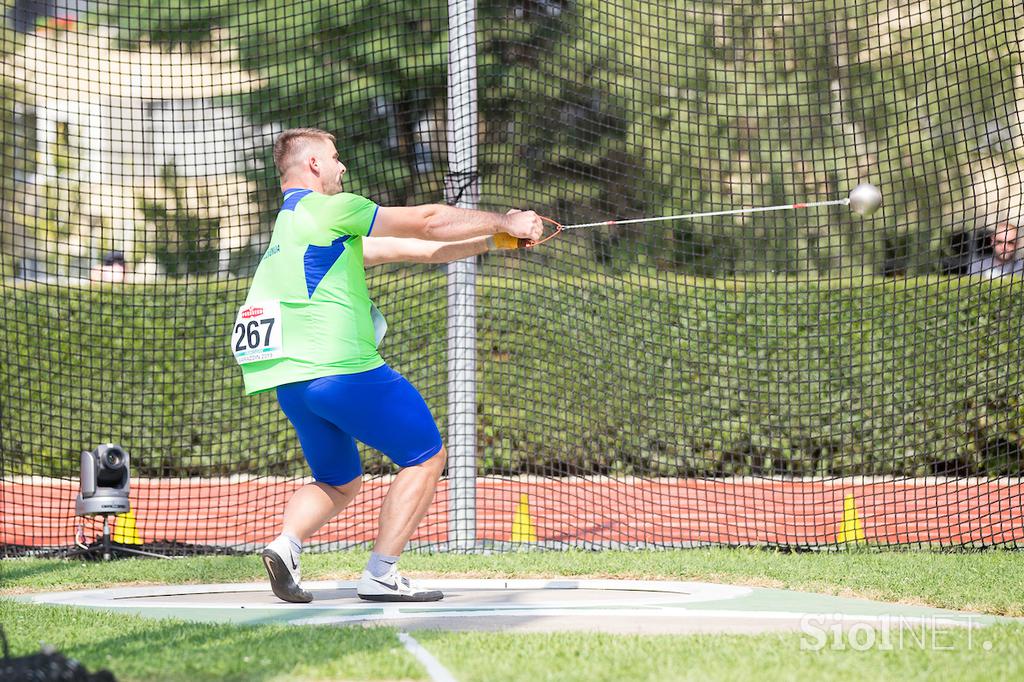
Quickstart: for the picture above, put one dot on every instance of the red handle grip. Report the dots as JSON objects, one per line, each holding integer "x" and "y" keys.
{"x": 526, "y": 243}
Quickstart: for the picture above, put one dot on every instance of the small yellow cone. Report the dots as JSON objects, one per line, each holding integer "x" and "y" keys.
{"x": 523, "y": 529}
{"x": 850, "y": 530}
{"x": 125, "y": 532}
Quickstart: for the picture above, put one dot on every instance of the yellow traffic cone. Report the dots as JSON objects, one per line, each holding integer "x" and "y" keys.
{"x": 850, "y": 530}
{"x": 125, "y": 532}
{"x": 523, "y": 529}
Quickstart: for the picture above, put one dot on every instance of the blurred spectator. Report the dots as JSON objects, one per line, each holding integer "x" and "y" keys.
{"x": 111, "y": 269}
{"x": 1006, "y": 254}
{"x": 25, "y": 16}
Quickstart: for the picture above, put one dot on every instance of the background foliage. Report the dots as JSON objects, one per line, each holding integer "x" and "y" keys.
{"x": 929, "y": 386}
{"x": 725, "y": 346}
{"x": 591, "y": 111}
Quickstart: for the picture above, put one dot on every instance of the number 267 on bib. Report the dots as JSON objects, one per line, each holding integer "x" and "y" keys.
{"x": 257, "y": 332}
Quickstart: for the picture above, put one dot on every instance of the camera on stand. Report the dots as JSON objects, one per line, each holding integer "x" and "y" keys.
{"x": 105, "y": 481}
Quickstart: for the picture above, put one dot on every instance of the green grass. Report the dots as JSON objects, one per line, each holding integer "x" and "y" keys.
{"x": 136, "y": 648}
{"x": 481, "y": 657}
{"x": 139, "y": 649}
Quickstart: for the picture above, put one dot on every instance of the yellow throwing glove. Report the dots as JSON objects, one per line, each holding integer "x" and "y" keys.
{"x": 503, "y": 240}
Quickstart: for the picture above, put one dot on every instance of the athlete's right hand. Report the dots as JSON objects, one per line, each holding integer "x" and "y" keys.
{"x": 523, "y": 224}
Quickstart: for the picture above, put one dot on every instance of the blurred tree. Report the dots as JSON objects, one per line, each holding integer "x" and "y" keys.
{"x": 186, "y": 240}
{"x": 597, "y": 110}
{"x": 368, "y": 72}
{"x": 722, "y": 105}
{"x": 925, "y": 88}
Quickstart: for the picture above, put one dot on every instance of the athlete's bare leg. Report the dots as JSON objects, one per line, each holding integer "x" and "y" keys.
{"x": 315, "y": 504}
{"x": 406, "y": 503}
{"x": 310, "y": 507}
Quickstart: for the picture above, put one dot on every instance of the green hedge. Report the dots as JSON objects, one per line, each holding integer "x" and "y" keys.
{"x": 579, "y": 375}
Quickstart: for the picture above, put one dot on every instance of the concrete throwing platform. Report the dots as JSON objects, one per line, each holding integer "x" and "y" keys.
{"x": 616, "y": 606}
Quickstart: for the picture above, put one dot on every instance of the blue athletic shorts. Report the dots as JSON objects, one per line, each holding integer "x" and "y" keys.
{"x": 379, "y": 407}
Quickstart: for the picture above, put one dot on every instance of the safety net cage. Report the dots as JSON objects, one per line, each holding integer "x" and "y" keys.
{"x": 802, "y": 368}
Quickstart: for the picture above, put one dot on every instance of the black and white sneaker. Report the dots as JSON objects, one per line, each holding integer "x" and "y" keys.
{"x": 282, "y": 564}
{"x": 393, "y": 586}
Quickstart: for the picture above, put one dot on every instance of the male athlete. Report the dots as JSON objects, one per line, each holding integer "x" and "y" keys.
{"x": 309, "y": 330}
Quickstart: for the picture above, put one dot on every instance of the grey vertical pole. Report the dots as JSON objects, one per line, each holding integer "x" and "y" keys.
{"x": 462, "y": 154}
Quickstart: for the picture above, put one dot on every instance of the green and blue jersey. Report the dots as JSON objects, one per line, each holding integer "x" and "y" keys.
{"x": 308, "y": 313}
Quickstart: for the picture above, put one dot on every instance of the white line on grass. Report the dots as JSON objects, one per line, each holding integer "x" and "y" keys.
{"x": 437, "y": 672}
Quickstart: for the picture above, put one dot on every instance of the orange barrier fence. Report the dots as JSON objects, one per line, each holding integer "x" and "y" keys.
{"x": 241, "y": 512}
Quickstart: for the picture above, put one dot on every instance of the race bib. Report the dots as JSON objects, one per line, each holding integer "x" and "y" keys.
{"x": 257, "y": 332}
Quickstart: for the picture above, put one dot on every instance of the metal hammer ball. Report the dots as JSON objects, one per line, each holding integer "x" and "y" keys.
{"x": 865, "y": 199}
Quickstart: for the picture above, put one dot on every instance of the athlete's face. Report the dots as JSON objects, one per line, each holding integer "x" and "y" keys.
{"x": 331, "y": 168}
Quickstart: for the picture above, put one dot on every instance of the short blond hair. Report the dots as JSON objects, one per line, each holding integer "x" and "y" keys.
{"x": 290, "y": 141}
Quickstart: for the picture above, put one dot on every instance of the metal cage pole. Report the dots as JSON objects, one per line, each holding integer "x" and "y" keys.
{"x": 461, "y": 189}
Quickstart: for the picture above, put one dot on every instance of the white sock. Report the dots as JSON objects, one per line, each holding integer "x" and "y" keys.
{"x": 380, "y": 564}
{"x": 294, "y": 541}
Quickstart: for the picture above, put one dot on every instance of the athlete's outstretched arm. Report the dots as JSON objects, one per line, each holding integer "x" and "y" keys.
{"x": 440, "y": 223}
{"x": 377, "y": 250}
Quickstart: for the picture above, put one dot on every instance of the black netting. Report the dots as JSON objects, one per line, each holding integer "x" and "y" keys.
{"x": 804, "y": 377}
